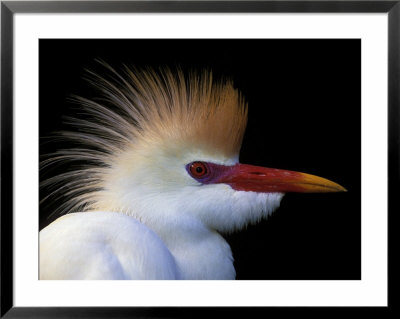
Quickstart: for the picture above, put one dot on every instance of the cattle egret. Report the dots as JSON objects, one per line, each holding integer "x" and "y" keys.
{"x": 161, "y": 180}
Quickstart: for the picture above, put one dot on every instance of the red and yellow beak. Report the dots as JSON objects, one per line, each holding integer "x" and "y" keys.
{"x": 266, "y": 180}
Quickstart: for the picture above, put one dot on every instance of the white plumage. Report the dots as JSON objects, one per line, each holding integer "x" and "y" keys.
{"x": 103, "y": 245}
{"x": 159, "y": 183}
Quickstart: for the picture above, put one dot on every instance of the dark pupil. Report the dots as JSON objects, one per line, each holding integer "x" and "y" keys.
{"x": 199, "y": 169}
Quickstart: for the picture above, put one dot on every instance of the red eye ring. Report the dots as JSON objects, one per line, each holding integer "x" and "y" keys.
{"x": 198, "y": 169}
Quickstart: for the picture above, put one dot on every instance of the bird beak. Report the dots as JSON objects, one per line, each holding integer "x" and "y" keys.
{"x": 266, "y": 180}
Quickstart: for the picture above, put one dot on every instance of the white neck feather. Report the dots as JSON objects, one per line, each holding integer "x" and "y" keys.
{"x": 199, "y": 252}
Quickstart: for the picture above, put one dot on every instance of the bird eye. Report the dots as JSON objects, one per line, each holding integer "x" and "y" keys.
{"x": 198, "y": 169}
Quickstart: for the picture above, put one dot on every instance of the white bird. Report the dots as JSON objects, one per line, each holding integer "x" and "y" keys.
{"x": 161, "y": 181}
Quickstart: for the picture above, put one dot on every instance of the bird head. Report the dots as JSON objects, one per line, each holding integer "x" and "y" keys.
{"x": 164, "y": 147}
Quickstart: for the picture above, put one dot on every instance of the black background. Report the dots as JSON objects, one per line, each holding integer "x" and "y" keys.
{"x": 304, "y": 101}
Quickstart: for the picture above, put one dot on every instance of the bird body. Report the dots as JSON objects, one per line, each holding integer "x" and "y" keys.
{"x": 108, "y": 245}
{"x": 103, "y": 245}
{"x": 161, "y": 180}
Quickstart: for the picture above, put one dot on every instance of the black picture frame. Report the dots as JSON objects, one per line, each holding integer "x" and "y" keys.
{"x": 9, "y": 8}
